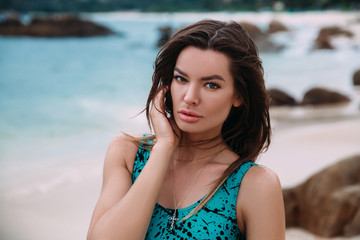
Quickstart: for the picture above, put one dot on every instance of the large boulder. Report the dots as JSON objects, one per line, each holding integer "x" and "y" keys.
{"x": 323, "y": 40}
{"x": 321, "y": 96}
{"x": 12, "y": 20}
{"x": 12, "y": 26}
{"x": 277, "y": 26}
{"x": 328, "y": 203}
{"x": 254, "y": 31}
{"x": 280, "y": 98}
{"x": 57, "y": 25}
{"x": 356, "y": 78}
{"x": 165, "y": 35}
{"x": 261, "y": 39}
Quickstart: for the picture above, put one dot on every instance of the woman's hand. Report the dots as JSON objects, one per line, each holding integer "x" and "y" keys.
{"x": 166, "y": 130}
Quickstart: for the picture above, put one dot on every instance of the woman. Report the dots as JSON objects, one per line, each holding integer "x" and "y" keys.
{"x": 208, "y": 108}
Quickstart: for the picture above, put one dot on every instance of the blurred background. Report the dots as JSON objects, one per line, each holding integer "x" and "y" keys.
{"x": 74, "y": 74}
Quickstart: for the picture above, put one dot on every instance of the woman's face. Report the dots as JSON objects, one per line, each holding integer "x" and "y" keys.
{"x": 202, "y": 91}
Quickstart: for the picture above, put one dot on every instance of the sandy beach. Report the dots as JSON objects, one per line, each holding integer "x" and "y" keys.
{"x": 59, "y": 202}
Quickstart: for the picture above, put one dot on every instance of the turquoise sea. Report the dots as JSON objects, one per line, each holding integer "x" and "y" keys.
{"x": 62, "y": 100}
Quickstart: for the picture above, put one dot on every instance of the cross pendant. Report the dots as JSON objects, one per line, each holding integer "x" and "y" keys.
{"x": 173, "y": 219}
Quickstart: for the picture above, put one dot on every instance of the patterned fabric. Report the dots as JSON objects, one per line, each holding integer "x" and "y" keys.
{"x": 216, "y": 220}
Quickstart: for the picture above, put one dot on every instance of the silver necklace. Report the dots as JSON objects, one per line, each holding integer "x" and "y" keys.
{"x": 174, "y": 218}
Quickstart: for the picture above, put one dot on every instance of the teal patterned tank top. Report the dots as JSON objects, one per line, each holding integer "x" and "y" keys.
{"x": 216, "y": 220}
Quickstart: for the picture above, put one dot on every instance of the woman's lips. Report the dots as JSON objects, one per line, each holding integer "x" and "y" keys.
{"x": 189, "y": 116}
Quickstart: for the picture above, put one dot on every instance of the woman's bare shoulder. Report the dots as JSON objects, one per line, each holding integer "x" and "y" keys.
{"x": 260, "y": 203}
{"x": 260, "y": 176}
{"x": 123, "y": 140}
{"x": 259, "y": 183}
{"x": 122, "y": 151}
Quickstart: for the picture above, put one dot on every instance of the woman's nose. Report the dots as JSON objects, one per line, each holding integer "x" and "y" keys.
{"x": 191, "y": 96}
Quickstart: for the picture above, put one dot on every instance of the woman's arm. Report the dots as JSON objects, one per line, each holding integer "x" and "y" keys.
{"x": 124, "y": 209}
{"x": 260, "y": 206}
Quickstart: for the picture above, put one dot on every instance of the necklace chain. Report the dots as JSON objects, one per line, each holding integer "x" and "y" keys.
{"x": 173, "y": 218}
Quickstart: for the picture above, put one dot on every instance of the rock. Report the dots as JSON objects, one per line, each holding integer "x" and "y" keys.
{"x": 253, "y": 30}
{"x": 320, "y": 96}
{"x": 12, "y": 26}
{"x": 323, "y": 40}
{"x": 356, "y": 78}
{"x": 276, "y": 26}
{"x": 11, "y": 20}
{"x": 55, "y": 26}
{"x": 328, "y": 203}
{"x": 260, "y": 38}
{"x": 324, "y": 44}
{"x": 280, "y": 98}
{"x": 165, "y": 34}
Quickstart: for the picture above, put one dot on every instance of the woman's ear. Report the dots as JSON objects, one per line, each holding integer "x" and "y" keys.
{"x": 238, "y": 101}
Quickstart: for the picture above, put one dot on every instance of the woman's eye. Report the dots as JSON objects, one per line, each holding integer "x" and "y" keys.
{"x": 212, "y": 85}
{"x": 179, "y": 78}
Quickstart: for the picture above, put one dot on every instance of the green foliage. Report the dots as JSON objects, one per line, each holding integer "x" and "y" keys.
{"x": 169, "y": 5}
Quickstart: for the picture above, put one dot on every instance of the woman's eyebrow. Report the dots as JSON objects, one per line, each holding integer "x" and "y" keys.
{"x": 212, "y": 77}
{"x": 179, "y": 71}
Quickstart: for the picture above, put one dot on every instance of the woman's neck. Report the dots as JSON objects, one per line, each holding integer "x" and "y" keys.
{"x": 204, "y": 150}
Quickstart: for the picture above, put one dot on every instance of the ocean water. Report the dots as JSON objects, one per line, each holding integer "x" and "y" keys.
{"x": 62, "y": 100}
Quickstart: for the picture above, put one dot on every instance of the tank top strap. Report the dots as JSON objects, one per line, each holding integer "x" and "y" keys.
{"x": 141, "y": 159}
{"x": 226, "y": 195}
{"x": 235, "y": 178}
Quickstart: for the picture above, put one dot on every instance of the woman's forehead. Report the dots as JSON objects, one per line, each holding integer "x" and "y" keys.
{"x": 192, "y": 60}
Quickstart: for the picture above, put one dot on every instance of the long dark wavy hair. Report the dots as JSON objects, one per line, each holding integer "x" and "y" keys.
{"x": 247, "y": 128}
